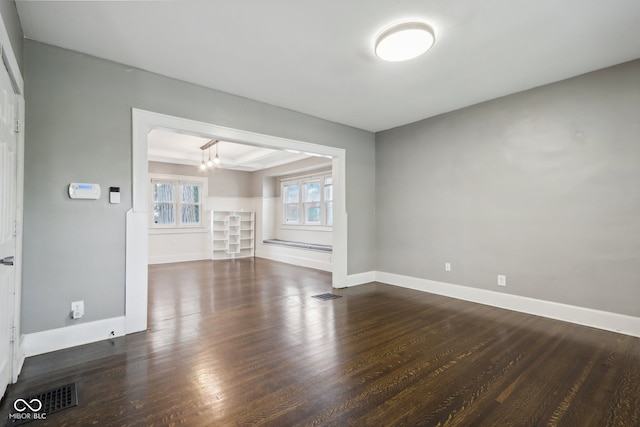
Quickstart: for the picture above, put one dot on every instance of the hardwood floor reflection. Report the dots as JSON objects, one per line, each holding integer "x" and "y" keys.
{"x": 243, "y": 343}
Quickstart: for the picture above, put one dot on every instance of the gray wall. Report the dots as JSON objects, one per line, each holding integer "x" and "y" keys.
{"x": 14, "y": 28}
{"x": 221, "y": 182}
{"x": 542, "y": 186}
{"x": 78, "y": 128}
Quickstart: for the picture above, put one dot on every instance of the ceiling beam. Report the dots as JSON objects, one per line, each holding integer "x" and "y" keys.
{"x": 209, "y": 144}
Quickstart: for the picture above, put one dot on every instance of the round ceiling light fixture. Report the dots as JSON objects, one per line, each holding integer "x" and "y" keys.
{"x": 404, "y": 41}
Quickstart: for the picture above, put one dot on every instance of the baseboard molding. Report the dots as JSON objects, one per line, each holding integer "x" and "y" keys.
{"x": 360, "y": 278}
{"x": 18, "y": 359}
{"x": 71, "y": 336}
{"x": 166, "y": 259}
{"x": 608, "y": 321}
{"x": 290, "y": 256}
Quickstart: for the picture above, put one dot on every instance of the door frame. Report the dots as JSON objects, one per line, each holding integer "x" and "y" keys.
{"x": 7, "y": 55}
{"x": 136, "y": 286}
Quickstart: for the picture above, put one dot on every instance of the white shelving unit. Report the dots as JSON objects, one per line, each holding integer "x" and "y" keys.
{"x": 232, "y": 234}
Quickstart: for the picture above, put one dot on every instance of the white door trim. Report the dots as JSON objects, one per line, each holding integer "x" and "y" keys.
{"x": 10, "y": 59}
{"x": 137, "y": 251}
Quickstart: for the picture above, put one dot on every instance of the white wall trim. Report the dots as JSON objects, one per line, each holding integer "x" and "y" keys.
{"x": 6, "y": 48}
{"x": 608, "y": 321}
{"x": 10, "y": 56}
{"x": 166, "y": 259}
{"x": 19, "y": 356}
{"x": 16, "y": 351}
{"x": 136, "y": 271}
{"x": 176, "y": 230}
{"x": 294, "y": 257}
{"x": 71, "y": 336}
{"x": 361, "y": 278}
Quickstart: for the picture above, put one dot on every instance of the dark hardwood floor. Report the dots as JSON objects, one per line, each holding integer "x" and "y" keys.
{"x": 243, "y": 343}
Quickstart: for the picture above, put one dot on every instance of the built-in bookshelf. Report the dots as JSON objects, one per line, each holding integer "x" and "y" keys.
{"x": 232, "y": 234}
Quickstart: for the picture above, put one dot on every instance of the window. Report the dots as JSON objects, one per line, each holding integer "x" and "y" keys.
{"x": 190, "y": 204}
{"x": 308, "y": 200}
{"x": 311, "y": 192}
{"x": 176, "y": 202}
{"x": 164, "y": 203}
{"x": 291, "y": 196}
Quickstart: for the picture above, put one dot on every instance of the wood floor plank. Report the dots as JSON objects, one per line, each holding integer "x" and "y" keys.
{"x": 243, "y": 343}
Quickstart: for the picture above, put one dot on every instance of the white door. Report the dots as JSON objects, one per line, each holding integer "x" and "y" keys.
{"x": 8, "y": 185}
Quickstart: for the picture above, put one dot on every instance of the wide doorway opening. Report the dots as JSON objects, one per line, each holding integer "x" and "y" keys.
{"x": 137, "y": 257}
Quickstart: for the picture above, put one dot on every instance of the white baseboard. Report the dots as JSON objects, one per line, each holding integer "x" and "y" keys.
{"x": 300, "y": 261}
{"x": 302, "y": 257}
{"x": 71, "y": 336}
{"x": 166, "y": 259}
{"x": 608, "y": 321}
{"x": 360, "y": 278}
{"x": 18, "y": 359}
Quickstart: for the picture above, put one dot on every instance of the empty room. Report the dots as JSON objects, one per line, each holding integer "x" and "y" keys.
{"x": 390, "y": 213}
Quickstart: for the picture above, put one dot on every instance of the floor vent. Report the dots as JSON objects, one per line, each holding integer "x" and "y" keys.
{"x": 51, "y": 401}
{"x": 326, "y": 297}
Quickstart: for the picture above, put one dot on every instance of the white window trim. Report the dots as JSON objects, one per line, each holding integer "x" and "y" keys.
{"x": 300, "y": 181}
{"x": 180, "y": 179}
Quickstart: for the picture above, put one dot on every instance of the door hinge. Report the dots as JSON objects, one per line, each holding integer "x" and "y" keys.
{"x": 15, "y": 228}
{"x": 13, "y": 334}
{"x": 18, "y": 129}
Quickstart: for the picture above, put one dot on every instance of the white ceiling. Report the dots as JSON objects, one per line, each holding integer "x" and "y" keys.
{"x": 172, "y": 147}
{"x": 316, "y": 57}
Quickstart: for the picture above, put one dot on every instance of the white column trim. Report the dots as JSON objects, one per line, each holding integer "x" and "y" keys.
{"x": 136, "y": 273}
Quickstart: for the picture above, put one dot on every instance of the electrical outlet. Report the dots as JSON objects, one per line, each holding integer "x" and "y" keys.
{"x": 77, "y": 309}
{"x": 447, "y": 266}
{"x": 502, "y": 280}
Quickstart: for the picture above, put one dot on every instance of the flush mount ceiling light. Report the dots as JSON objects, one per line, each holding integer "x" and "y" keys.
{"x": 404, "y": 41}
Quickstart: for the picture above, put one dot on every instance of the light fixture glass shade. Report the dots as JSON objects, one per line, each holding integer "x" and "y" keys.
{"x": 209, "y": 162}
{"x": 216, "y": 160}
{"x": 203, "y": 165}
{"x": 404, "y": 41}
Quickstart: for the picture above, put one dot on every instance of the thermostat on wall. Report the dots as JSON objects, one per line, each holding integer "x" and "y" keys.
{"x": 84, "y": 191}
